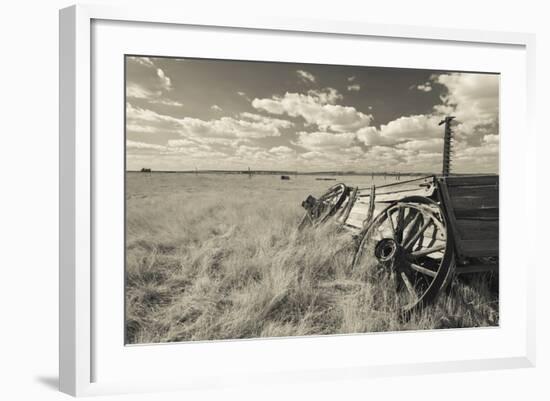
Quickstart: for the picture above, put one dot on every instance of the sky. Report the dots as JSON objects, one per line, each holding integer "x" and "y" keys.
{"x": 184, "y": 114}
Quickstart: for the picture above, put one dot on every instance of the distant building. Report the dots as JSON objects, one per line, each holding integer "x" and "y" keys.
{"x": 145, "y": 170}
{"x": 285, "y": 177}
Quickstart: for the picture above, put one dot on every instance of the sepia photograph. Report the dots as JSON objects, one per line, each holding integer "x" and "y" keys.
{"x": 271, "y": 199}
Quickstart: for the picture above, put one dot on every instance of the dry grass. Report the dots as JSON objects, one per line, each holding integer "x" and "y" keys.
{"x": 219, "y": 257}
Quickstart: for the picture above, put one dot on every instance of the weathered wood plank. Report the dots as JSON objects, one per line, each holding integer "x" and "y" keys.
{"x": 393, "y": 197}
{"x": 474, "y": 191}
{"x": 486, "y": 213}
{"x": 475, "y": 202}
{"x": 476, "y": 268}
{"x": 454, "y": 181}
{"x": 360, "y": 208}
{"x": 479, "y": 248}
{"x": 477, "y": 229}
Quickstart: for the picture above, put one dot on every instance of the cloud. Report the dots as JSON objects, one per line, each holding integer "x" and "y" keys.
{"x": 143, "y": 145}
{"x": 305, "y": 76}
{"x": 144, "y": 61}
{"x": 371, "y": 136}
{"x": 176, "y": 143}
{"x": 316, "y": 108}
{"x": 491, "y": 139}
{"x": 243, "y": 95}
{"x": 137, "y": 91}
{"x": 165, "y": 81}
{"x": 354, "y": 87}
{"x": 167, "y": 102}
{"x": 423, "y": 145}
{"x": 402, "y": 128}
{"x": 248, "y": 125}
{"x": 282, "y": 150}
{"x": 319, "y": 141}
{"x": 474, "y": 100}
{"x": 326, "y": 95}
{"x": 215, "y": 107}
{"x": 425, "y": 87}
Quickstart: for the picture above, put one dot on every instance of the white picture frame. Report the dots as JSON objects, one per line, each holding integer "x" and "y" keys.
{"x": 78, "y": 224}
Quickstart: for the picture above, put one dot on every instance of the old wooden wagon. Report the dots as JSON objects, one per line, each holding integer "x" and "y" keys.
{"x": 420, "y": 231}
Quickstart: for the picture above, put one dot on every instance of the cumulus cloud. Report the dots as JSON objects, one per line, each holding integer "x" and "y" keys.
{"x": 166, "y": 102}
{"x": 425, "y": 87}
{"x": 248, "y": 125}
{"x": 316, "y": 108}
{"x": 354, "y": 88}
{"x": 305, "y": 76}
{"x": 144, "y": 61}
{"x": 165, "y": 81}
{"x": 423, "y": 145}
{"x": 176, "y": 143}
{"x": 137, "y": 91}
{"x": 402, "y": 128}
{"x": 282, "y": 150}
{"x": 323, "y": 141}
{"x": 473, "y": 99}
{"x": 491, "y": 139}
{"x": 215, "y": 107}
{"x": 143, "y": 145}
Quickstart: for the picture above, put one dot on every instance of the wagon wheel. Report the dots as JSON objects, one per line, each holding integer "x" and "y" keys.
{"x": 410, "y": 241}
{"x": 326, "y": 206}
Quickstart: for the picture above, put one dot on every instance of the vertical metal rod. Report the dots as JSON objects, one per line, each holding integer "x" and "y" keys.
{"x": 447, "y": 145}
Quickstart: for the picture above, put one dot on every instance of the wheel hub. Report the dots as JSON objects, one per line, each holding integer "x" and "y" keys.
{"x": 386, "y": 250}
{"x": 390, "y": 254}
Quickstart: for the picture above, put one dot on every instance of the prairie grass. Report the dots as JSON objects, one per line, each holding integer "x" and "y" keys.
{"x": 219, "y": 257}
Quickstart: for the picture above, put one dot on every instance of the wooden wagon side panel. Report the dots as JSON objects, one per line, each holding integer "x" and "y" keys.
{"x": 472, "y": 208}
{"x": 370, "y": 201}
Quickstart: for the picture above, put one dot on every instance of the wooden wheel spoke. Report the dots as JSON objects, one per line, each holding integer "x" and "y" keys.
{"x": 427, "y": 251}
{"x": 413, "y": 226}
{"x": 388, "y": 214}
{"x": 410, "y": 287}
{"x": 410, "y": 242}
{"x": 433, "y": 238}
{"x": 400, "y": 224}
{"x": 422, "y": 269}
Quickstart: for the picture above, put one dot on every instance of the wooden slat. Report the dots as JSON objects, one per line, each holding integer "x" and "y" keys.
{"x": 464, "y": 199}
{"x": 477, "y": 229}
{"x": 478, "y": 248}
{"x": 360, "y": 208}
{"x": 474, "y": 191}
{"x": 474, "y": 203}
{"x": 454, "y": 181}
{"x": 476, "y": 268}
{"x": 398, "y": 196}
{"x": 489, "y": 213}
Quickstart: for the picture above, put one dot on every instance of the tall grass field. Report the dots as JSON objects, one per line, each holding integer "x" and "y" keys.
{"x": 219, "y": 256}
